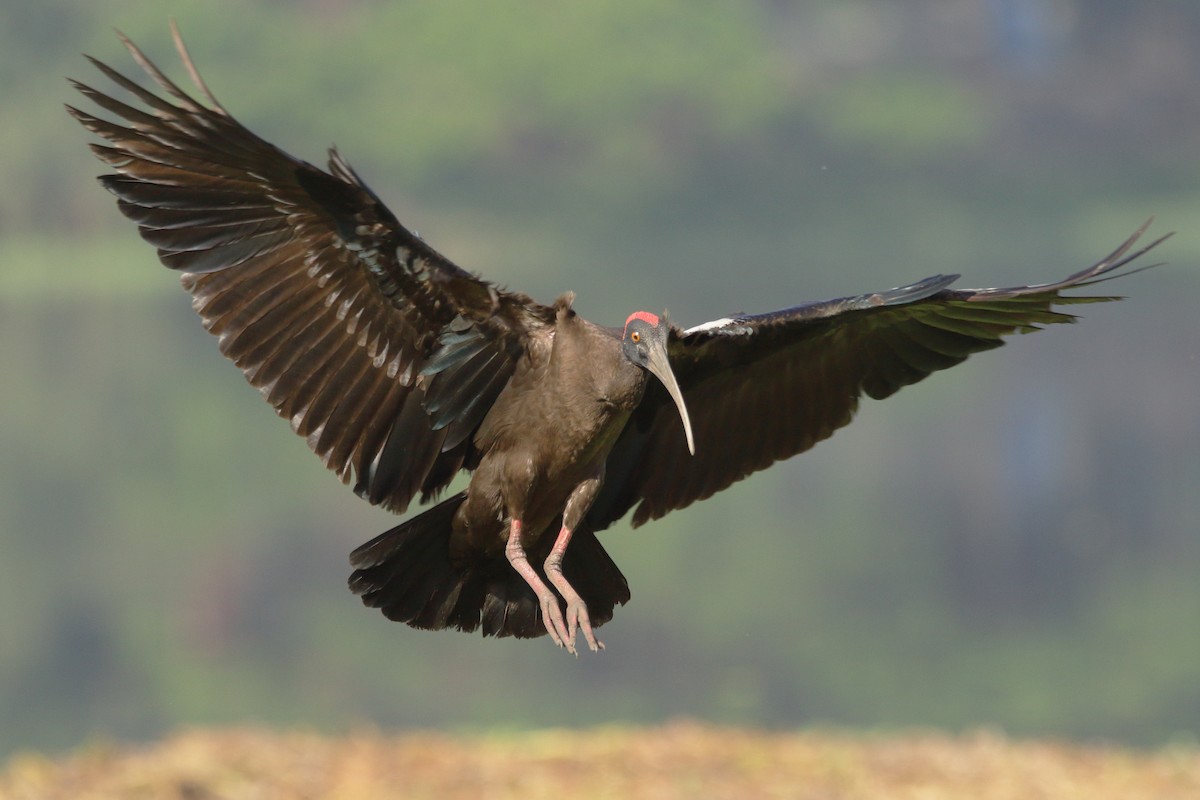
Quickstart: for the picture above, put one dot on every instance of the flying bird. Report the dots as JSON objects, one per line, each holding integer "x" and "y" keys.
{"x": 402, "y": 369}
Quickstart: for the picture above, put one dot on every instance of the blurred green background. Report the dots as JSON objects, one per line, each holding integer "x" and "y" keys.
{"x": 1013, "y": 543}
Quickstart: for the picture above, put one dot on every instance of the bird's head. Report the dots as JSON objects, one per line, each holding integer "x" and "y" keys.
{"x": 645, "y": 344}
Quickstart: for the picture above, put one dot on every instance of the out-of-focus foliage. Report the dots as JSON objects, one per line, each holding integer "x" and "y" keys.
{"x": 1012, "y": 543}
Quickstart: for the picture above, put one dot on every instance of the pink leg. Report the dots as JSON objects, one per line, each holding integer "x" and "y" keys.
{"x": 577, "y": 613}
{"x": 552, "y": 615}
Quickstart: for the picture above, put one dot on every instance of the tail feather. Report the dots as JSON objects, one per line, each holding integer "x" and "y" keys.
{"x": 512, "y": 609}
{"x": 408, "y": 573}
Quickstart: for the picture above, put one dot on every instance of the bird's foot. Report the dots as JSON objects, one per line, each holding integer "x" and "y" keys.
{"x": 556, "y": 624}
{"x": 552, "y": 615}
{"x": 578, "y": 619}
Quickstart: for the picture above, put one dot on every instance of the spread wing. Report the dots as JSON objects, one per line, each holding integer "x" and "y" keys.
{"x": 764, "y": 388}
{"x": 382, "y": 353}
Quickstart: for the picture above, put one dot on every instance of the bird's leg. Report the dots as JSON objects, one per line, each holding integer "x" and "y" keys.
{"x": 577, "y": 612}
{"x": 552, "y": 615}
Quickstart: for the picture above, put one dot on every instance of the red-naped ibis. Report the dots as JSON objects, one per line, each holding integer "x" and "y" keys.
{"x": 401, "y": 369}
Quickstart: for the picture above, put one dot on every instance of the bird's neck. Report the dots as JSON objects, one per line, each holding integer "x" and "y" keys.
{"x": 588, "y": 362}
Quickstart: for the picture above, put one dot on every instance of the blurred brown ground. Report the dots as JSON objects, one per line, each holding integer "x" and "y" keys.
{"x": 680, "y": 760}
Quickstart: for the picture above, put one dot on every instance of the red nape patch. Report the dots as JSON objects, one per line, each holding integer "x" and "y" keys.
{"x": 644, "y": 316}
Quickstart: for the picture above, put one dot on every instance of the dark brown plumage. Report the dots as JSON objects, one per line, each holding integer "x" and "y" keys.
{"x": 401, "y": 369}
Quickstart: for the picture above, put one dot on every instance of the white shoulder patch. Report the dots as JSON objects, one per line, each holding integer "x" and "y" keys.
{"x": 708, "y": 326}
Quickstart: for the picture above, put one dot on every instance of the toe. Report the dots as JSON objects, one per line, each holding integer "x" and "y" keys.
{"x": 577, "y": 618}
{"x": 556, "y": 626}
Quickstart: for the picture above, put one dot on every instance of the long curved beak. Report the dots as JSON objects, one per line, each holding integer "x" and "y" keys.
{"x": 661, "y": 367}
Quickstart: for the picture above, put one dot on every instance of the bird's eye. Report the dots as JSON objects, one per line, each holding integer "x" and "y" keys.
{"x": 635, "y": 336}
